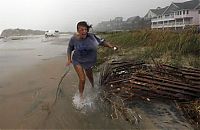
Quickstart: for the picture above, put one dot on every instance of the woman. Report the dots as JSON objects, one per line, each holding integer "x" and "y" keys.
{"x": 84, "y": 45}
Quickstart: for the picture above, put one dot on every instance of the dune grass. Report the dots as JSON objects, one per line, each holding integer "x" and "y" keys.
{"x": 165, "y": 46}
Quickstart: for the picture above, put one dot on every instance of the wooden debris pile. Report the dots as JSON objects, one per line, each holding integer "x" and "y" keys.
{"x": 130, "y": 80}
{"x": 191, "y": 110}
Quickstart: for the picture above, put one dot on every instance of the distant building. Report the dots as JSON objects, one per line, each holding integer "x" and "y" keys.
{"x": 118, "y": 19}
{"x": 133, "y": 19}
{"x": 118, "y": 24}
{"x": 176, "y": 16}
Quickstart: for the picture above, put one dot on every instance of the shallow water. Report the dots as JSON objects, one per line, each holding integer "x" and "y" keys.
{"x": 21, "y": 54}
{"x": 30, "y": 71}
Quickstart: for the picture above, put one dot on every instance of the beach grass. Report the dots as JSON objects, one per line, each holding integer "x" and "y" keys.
{"x": 165, "y": 46}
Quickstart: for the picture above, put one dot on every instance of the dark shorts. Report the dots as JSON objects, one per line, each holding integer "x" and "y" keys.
{"x": 85, "y": 65}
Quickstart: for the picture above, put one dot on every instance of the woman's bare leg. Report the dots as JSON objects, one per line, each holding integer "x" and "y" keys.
{"x": 81, "y": 75}
{"x": 89, "y": 74}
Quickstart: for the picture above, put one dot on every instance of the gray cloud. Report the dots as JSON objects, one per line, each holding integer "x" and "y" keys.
{"x": 64, "y": 14}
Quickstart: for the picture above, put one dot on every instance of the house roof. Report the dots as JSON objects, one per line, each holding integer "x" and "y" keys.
{"x": 192, "y": 4}
{"x": 133, "y": 18}
{"x": 198, "y": 7}
{"x": 188, "y": 4}
{"x": 159, "y": 11}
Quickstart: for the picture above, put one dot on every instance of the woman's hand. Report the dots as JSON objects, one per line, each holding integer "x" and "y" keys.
{"x": 68, "y": 62}
{"x": 108, "y": 44}
{"x": 115, "y": 48}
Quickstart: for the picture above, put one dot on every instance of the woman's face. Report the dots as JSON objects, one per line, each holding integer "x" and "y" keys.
{"x": 82, "y": 31}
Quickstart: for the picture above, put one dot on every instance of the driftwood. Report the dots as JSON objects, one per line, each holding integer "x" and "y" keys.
{"x": 130, "y": 80}
{"x": 153, "y": 81}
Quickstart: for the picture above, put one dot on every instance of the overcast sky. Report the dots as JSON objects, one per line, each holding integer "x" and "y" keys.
{"x": 63, "y": 15}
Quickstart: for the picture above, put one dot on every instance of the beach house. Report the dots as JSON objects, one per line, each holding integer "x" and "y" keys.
{"x": 175, "y": 16}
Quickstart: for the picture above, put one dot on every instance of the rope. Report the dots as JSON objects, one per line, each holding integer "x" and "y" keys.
{"x": 59, "y": 89}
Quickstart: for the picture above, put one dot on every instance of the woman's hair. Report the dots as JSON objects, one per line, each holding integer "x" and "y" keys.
{"x": 84, "y": 24}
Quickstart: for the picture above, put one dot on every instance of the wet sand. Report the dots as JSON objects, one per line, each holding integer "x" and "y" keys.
{"x": 28, "y": 90}
{"x": 25, "y": 91}
{"x": 26, "y": 101}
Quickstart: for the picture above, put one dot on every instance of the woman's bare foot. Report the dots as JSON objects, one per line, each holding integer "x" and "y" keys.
{"x": 81, "y": 97}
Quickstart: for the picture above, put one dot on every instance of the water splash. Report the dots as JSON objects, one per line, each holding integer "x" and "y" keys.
{"x": 87, "y": 103}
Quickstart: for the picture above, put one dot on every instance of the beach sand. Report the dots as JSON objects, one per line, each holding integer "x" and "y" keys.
{"x": 26, "y": 91}
{"x": 26, "y": 99}
{"x": 30, "y": 72}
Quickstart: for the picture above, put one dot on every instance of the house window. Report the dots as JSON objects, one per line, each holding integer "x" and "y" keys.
{"x": 183, "y": 11}
{"x": 180, "y": 12}
{"x": 199, "y": 11}
{"x": 167, "y": 15}
{"x": 187, "y": 11}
